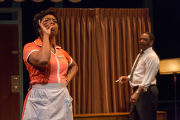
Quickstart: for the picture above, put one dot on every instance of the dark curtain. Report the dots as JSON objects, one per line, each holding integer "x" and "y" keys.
{"x": 104, "y": 43}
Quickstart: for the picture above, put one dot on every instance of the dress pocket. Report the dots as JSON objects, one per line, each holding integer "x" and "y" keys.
{"x": 39, "y": 108}
{"x": 68, "y": 102}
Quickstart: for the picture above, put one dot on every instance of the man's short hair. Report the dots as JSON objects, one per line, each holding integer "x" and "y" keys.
{"x": 151, "y": 35}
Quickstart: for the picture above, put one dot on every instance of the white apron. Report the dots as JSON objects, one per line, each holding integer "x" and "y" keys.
{"x": 48, "y": 102}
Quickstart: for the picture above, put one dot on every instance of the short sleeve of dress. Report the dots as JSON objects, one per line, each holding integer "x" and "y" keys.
{"x": 28, "y": 49}
{"x": 68, "y": 57}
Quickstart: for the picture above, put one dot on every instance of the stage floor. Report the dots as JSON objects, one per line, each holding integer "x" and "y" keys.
{"x": 161, "y": 115}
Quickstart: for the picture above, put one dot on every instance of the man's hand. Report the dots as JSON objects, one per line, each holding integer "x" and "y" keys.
{"x": 134, "y": 98}
{"x": 123, "y": 79}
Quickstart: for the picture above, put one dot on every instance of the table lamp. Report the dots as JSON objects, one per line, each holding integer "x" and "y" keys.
{"x": 171, "y": 66}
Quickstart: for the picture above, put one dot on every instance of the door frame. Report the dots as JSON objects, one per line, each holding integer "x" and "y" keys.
{"x": 18, "y": 21}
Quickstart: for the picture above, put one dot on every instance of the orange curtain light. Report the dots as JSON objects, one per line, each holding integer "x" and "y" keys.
{"x": 75, "y": 1}
{"x": 55, "y": 1}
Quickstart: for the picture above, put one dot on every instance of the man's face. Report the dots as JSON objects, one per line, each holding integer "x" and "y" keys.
{"x": 145, "y": 42}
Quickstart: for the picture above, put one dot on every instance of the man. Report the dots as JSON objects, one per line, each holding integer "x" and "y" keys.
{"x": 142, "y": 79}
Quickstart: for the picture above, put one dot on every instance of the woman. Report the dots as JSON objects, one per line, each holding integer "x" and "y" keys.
{"x": 50, "y": 70}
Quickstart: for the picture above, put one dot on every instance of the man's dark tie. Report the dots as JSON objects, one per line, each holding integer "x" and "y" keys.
{"x": 135, "y": 65}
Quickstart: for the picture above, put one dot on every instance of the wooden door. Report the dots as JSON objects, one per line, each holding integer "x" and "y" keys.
{"x": 9, "y": 72}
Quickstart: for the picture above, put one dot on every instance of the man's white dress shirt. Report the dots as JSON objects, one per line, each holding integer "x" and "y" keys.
{"x": 146, "y": 70}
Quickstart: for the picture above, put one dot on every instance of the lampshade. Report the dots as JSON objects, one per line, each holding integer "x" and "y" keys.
{"x": 170, "y": 66}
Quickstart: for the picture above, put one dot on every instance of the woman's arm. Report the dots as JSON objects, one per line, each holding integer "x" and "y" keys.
{"x": 41, "y": 58}
{"x": 72, "y": 70}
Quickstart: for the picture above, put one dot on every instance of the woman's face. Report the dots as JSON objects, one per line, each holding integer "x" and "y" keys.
{"x": 51, "y": 20}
